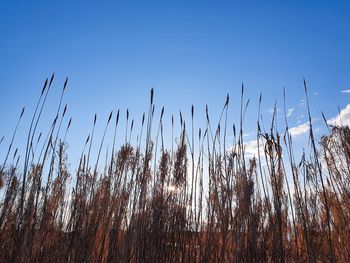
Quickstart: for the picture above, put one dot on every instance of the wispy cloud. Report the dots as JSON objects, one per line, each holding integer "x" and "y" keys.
{"x": 251, "y": 148}
{"x": 249, "y": 134}
{"x": 342, "y": 119}
{"x": 299, "y": 130}
{"x": 300, "y": 118}
{"x": 272, "y": 110}
{"x": 290, "y": 112}
{"x": 345, "y": 91}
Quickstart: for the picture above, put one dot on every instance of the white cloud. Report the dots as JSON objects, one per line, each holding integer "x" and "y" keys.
{"x": 342, "y": 119}
{"x": 272, "y": 110}
{"x": 299, "y": 130}
{"x": 251, "y": 148}
{"x": 300, "y": 117}
{"x": 316, "y": 93}
{"x": 290, "y": 112}
{"x": 345, "y": 91}
{"x": 249, "y": 134}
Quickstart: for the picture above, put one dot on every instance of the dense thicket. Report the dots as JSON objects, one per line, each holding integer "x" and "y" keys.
{"x": 203, "y": 200}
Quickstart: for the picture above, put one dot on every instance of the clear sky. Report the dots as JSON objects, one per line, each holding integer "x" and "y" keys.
{"x": 191, "y": 52}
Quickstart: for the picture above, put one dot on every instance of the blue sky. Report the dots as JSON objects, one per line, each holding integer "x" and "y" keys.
{"x": 191, "y": 52}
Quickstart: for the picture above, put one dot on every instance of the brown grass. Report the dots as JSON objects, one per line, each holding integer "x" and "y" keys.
{"x": 152, "y": 204}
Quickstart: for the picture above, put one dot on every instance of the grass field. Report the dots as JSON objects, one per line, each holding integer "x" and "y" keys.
{"x": 202, "y": 200}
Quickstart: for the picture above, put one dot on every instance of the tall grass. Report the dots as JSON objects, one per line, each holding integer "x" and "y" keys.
{"x": 203, "y": 200}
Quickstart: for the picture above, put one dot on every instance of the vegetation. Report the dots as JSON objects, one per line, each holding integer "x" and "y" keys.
{"x": 203, "y": 200}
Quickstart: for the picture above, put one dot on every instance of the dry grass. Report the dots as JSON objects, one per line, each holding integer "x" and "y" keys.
{"x": 151, "y": 204}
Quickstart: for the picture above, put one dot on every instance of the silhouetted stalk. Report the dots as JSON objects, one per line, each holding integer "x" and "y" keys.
{"x": 318, "y": 165}
{"x": 204, "y": 200}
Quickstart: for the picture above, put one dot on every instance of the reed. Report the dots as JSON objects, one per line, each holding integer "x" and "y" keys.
{"x": 203, "y": 200}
